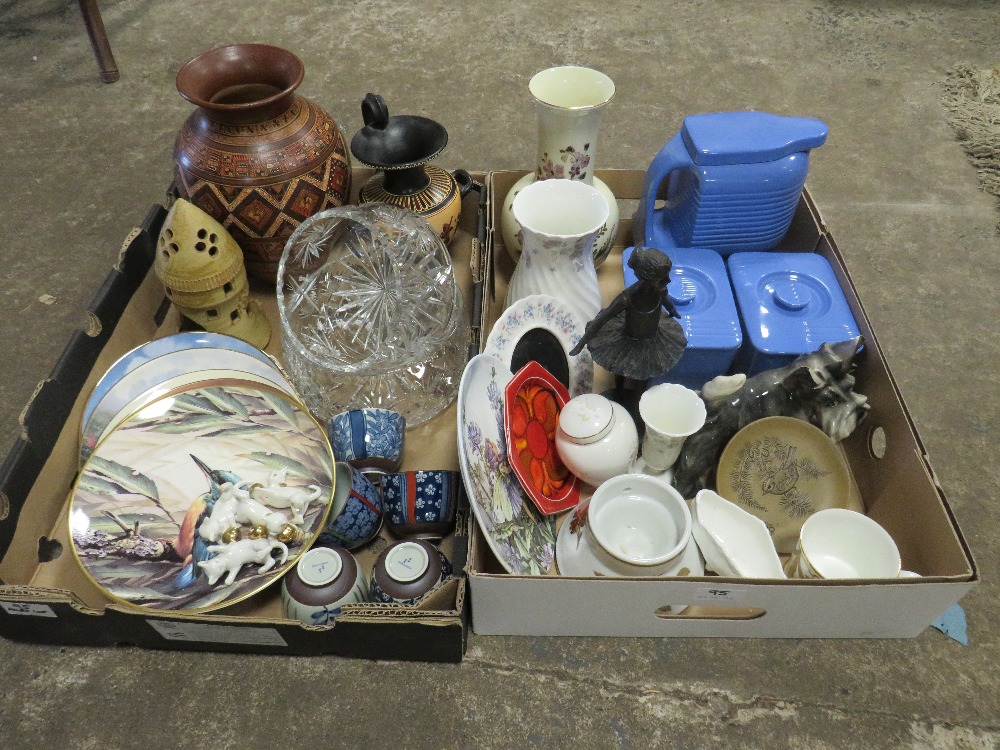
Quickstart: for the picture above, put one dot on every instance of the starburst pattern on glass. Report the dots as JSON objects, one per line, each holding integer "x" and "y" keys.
{"x": 370, "y": 313}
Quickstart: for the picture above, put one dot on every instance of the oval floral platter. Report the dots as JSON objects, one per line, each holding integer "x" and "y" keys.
{"x": 522, "y": 540}
{"x": 558, "y": 329}
{"x": 140, "y": 511}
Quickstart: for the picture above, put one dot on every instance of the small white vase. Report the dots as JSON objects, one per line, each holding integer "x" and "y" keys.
{"x": 559, "y": 222}
{"x": 571, "y": 100}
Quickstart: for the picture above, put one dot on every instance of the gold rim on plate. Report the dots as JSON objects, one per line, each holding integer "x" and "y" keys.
{"x": 130, "y": 484}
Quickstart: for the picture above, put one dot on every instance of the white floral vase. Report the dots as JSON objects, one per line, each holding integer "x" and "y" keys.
{"x": 571, "y": 100}
{"x": 559, "y": 222}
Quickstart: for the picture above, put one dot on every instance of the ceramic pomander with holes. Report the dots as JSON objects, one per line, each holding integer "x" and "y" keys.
{"x": 201, "y": 266}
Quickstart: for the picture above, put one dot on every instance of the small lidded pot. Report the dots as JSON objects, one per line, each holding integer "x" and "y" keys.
{"x": 596, "y": 438}
{"x": 321, "y": 583}
{"x": 407, "y": 571}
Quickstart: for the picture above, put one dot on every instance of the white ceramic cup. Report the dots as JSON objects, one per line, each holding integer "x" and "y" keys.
{"x": 671, "y": 414}
{"x": 638, "y": 524}
{"x": 841, "y": 543}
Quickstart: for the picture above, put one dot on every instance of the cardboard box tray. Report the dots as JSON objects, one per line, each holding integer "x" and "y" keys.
{"x": 44, "y": 595}
{"x": 890, "y": 469}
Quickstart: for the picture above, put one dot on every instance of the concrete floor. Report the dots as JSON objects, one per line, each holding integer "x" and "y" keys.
{"x": 83, "y": 161}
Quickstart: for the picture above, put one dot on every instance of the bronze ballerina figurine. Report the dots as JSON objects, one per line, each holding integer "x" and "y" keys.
{"x": 632, "y": 337}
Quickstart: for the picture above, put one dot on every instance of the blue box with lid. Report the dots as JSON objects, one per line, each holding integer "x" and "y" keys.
{"x": 790, "y": 304}
{"x": 699, "y": 288}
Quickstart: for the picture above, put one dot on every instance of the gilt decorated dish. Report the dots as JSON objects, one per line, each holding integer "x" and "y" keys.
{"x": 163, "y": 517}
{"x": 151, "y": 350}
{"x": 152, "y": 372}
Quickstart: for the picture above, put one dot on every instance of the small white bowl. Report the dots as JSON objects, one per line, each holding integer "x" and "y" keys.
{"x": 633, "y": 525}
{"x": 735, "y": 544}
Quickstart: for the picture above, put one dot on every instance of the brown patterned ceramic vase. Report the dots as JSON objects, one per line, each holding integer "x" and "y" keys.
{"x": 400, "y": 146}
{"x": 255, "y": 155}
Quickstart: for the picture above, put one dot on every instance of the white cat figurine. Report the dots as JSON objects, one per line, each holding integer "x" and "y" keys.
{"x": 230, "y": 558}
{"x": 297, "y": 499}
{"x": 223, "y": 515}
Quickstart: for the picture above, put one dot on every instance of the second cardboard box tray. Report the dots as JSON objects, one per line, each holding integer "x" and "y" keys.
{"x": 891, "y": 473}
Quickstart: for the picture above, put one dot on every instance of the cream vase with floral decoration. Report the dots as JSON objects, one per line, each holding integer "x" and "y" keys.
{"x": 570, "y": 100}
{"x": 559, "y": 222}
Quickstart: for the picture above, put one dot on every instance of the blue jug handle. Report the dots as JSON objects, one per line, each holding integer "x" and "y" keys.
{"x": 673, "y": 156}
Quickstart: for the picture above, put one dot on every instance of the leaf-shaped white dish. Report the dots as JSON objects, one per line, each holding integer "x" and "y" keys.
{"x": 734, "y": 543}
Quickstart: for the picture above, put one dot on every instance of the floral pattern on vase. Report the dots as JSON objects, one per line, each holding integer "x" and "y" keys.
{"x": 570, "y": 101}
{"x": 576, "y": 160}
{"x": 559, "y": 220}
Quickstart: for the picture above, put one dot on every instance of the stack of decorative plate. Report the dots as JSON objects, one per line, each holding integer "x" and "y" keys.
{"x": 159, "y": 367}
{"x": 178, "y": 436}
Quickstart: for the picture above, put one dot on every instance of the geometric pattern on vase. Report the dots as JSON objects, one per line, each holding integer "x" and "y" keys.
{"x": 260, "y": 196}
{"x": 311, "y": 190}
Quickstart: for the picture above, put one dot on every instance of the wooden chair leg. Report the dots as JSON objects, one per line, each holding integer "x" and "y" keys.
{"x": 107, "y": 68}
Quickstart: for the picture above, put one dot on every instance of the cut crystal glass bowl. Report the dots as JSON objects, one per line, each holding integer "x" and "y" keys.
{"x": 371, "y": 314}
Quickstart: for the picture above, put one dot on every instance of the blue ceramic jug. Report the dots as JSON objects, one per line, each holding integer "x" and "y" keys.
{"x": 733, "y": 181}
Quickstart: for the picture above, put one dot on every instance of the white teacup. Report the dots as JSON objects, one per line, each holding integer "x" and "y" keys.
{"x": 637, "y": 526}
{"x": 841, "y": 543}
{"x": 671, "y": 414}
